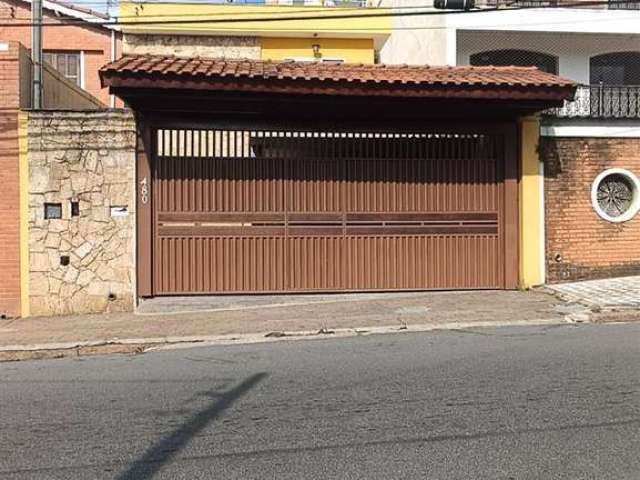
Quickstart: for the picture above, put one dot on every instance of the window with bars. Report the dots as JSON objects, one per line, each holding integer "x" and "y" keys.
{"x": 616, "y": 68}
{"x": 67, "y": 63}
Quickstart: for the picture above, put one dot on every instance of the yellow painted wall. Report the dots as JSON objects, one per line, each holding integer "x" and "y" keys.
{"x": 351, "y": 50}
{"x": 23, "y": 166}
{"x": 532, "y": 270}
{"x": 252, "y": 20}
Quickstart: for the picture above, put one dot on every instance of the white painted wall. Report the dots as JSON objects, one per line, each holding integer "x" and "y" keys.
{"x": 416, "y": 39}
{"x": 572, "y": 49}
{"x": 572, "y": 34}
{"x": 561, "y": 20}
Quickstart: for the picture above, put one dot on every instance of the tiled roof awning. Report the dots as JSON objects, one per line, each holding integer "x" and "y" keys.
{"x": 148, "y": 71}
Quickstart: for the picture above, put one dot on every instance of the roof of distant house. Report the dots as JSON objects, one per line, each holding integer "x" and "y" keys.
{"x": 77, "y": 12}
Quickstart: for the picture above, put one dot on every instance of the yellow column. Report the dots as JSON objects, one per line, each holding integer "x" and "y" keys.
{"x": 23, "y": 165}
{"x": 532, "y": 265}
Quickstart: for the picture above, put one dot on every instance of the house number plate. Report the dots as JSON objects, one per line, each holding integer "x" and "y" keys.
{"x": 144, "y": 191}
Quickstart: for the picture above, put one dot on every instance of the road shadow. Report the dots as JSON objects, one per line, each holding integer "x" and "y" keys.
{"x": 168, "y": 447}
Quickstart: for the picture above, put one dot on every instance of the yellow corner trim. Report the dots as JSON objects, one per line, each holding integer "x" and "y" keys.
{"x": 531, "y": 206}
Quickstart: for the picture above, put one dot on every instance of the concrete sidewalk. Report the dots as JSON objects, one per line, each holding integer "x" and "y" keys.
{"x": 605, "y": 294}
{"x": 252, "y": 318}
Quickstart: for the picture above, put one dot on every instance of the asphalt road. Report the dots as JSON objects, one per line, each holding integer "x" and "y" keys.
{"x": 507, "y": 403}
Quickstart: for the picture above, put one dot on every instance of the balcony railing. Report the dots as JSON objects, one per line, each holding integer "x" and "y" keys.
{"x": 302, "y": 3}
{"x": 590, "y": 4}
{"x": 602, "y": 101}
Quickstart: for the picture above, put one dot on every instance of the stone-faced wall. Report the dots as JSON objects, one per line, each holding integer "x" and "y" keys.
{"x": 580, "y": 244}
{"x": 89, "y": 158}
{"x": 192, "y": 46}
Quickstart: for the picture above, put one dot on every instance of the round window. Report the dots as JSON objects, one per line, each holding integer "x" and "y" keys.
{"x": 615, "y": 195}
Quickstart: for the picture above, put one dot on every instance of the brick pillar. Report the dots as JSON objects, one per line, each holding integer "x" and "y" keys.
{"x": 9, "y": 180}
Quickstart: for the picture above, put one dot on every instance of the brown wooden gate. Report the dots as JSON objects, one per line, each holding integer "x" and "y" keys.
{"x": 284, "y": 210}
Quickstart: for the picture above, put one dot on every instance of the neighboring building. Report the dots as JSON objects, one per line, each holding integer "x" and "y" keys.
{"x": 16, "y": 176}
{"x": 329, "y": 36}
{"x": 73, "y": 55}
{"x": 77, "y": 51}
{"x": 597, "y": 46}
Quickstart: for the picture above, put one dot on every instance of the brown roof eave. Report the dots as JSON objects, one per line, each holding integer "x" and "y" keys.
{"x": 554, "y": 93}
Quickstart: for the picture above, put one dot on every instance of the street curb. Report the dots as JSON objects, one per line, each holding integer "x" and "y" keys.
{"x": 616, "y": 316}
{"x": 150, "y": 344}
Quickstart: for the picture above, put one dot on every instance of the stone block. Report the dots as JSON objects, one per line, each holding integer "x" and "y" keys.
{"x": 65, "y": 245}
{"x": 76, "y": 241}
{"x": 39, "y": 179}
{"x": 85, "y": 277}
{"x": 97, "y": 199}
{"x": 58, "y": 225}
{"x": 39, "y": 262}
{"x": 67, "y": 290}
{"x": 71, "y": 274}
{"x": 91, "y": 162}
{"x": 54, "y": 258}
{"x": 98, "y": 288}
{"x": 104, "y": 271}
{"x": 83, "y": 250}
{"x": 91, "y": 303}
{"x": 79, "y": 182}
{"x": 122, "y": 303}
{"x": 52, "y": 240}
{"x": 100, "y": 214}
{"x": 119, "y": 289}
{"x": 66, "y": 189}
{"x": 87, "y": 262}
{"x": 38, "y": 283}
{"x": 54, "y": 286}
{"x": 39, "y": 305}
{"x": 121, "y": 275}
{"x": 119, "y": 195}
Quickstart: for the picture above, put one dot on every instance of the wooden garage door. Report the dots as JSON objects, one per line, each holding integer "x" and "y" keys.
{"x": 269, "y": 211}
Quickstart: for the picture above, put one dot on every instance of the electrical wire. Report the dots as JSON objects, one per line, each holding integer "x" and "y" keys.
{"x": 338, "y": 16}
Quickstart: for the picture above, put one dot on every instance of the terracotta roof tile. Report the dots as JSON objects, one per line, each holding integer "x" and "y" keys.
{"x": 401, "y": 74}
{"x": 317, "y": 78}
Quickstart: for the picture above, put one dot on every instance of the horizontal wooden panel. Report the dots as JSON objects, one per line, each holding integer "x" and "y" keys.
{"x": 422, "y": 217}
{"x": 224, "y": 231}
{"x": 264, "y": 217}
{"x": 210, "y": 231}
{"x": 209, "y": 217}
{"x": 422, "y": 230}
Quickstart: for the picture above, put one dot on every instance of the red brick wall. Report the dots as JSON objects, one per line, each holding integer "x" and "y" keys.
{"x": 9, "y": 179}
{"x": 95, "y": 41}
{"x": 586, "y": 245}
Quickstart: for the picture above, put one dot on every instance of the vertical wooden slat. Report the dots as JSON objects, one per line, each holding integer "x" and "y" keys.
{"x": 510, "y": 208}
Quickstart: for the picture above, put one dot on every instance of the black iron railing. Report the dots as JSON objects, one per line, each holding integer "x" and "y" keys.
{"x": 618, "y": 5}
{"x": 591, "y": 4}
{"x": 602, "y": 101}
